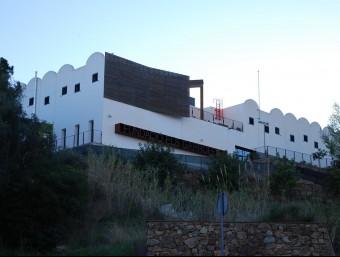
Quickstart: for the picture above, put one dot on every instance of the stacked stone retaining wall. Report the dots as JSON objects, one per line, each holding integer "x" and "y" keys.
{"x": 240, "y": 239}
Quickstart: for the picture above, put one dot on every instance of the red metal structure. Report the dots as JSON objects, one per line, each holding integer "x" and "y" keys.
{"x": 219, "y": 109}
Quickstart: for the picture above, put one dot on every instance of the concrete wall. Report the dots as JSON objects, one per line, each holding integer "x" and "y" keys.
{"x": 240, "y": 239}
{"x": 67, "y": 111}
{"x": 288, "y": 125}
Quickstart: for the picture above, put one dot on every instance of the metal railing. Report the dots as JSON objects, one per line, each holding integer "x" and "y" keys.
{"x": 83, "y": 138}
{"x": 270, "y": 151}
{"x": 211, "y": 117}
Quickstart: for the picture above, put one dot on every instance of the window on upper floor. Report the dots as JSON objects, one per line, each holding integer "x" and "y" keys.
{"x": 47, "y": 100}
{"x": 94, "y": 77}
{"x": 266, "y": 129}
{"x": 251, "y": 120}
{"x": 76, "y": 88}
{"x": 316, "y": 145}
{"x": 292, "y": 138}
{"x": 277, "y": 131}
{"x": 31, "y": 101}
{"x": 64, "y": 90}
{"x": 305, "y": 138}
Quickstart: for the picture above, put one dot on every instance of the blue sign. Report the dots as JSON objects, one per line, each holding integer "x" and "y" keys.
{"x": 222, "y": 204}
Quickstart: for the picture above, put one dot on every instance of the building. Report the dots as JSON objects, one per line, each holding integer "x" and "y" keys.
{"x": 116, "y": 102}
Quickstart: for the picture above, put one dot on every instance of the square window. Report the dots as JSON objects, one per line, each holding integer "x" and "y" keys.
{"x": 94, "y": 77}
{"x": 316, "y": 145}
{"x": 266, "y": 129}
{"x": 76, "y": 88}
{"x": 292, "y": 138}
{"x": 305, "y": 138}
{"x": 64, "y": 91}
{"x": 251, "y": 121}
{"x": 277, "y": 131}
{"x": 31, "y": 101}
{"x": 47, "y": 100}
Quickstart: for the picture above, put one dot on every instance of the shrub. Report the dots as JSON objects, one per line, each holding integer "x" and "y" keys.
{"x": 39, "y": 210}
{"x": 289, "y": 213}
{"x": 224, "y": 171}
{"x": 283, "y": 177}
{"x": 154, "y": 156}
{"x": 333, "y": 181}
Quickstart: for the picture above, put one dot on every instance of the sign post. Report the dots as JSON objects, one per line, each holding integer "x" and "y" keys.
{"x": 222, "y": 208}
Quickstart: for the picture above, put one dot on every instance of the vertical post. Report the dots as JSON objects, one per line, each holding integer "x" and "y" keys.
{"x": 201, "y": 96}
{"x": 36, "y": 93}
{"x": 222, "y": 230}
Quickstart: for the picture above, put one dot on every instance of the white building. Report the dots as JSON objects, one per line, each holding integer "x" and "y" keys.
{"x": 116, "y": 102}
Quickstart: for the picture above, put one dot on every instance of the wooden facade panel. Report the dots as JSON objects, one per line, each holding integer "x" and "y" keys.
{"x": 151, "y": 89}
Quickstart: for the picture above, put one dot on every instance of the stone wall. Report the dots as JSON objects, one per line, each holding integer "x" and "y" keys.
{"x": 240, "y": 239}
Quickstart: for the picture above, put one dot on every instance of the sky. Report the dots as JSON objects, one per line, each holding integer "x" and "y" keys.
{"x": 283, "y": 54}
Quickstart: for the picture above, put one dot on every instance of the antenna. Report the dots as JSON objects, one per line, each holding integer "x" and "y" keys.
{"x": 260, "y": 121}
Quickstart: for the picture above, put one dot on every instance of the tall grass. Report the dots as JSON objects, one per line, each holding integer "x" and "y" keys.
{"x": 124, "y": 198}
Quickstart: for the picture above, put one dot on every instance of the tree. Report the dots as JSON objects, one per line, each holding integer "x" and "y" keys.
{"x": 154, "y": 156}
{"x": 284, "y": 177}
{"x": 331, "y": 136}
{"x": 319, "y": 155}
{"x": 224, "y": 171}
{"x": 42, "y": 192}
{"x": 11, "y": 126}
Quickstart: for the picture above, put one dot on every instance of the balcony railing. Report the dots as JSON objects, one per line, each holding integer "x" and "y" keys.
{"x": 83, "y": 138}
{"x": 211, "y": 117}
{"x": 297, "y": 157}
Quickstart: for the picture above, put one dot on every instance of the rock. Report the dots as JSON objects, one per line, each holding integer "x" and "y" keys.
{"x": 62, "y": 248}
{"x": 152, "y": 242}
{"x": 204, "y": 230}
{"x": 269, "y": 233}
{"x": 295, "y": 253}
{"x": 286, "y": 239}
{"x": 191, "y": 242}
{"x": 269, "y": 240}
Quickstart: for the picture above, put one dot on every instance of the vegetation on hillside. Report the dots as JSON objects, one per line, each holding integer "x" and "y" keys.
{"x": 42, "y": 193}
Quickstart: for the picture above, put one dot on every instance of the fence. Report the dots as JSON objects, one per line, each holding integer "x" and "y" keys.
{"x": 86, "y": 137}
{"x": 211, "y": 117}
{"x": 297, "y": 157}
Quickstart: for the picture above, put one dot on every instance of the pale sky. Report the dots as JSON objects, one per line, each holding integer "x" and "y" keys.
{"x": 295, "y": 44}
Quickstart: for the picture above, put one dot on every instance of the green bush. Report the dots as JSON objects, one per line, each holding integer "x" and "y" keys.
{"x": 289, "y": 213}
{"x": 40, "y": 209}
{"x": 283, "y": 178}
{"x": 333, "y": 181}
{"x": 154, "y": 156}
{"x": 224, "y": 172}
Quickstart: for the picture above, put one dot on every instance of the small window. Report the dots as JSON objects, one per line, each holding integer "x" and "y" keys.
{"x": 305, "y": 138}
{"x": 266, "y": 129}
{"x": 292, "y": 138}
{"x": 47, "y": 100}
{"x": 251, "y": 121}
{"x": 316, "y": 145}
{"x": 94, "y": 77}
{"x": 64, "y": 91}
{"x": 76, "y": 88}
{"x": 31, "y": 101}
{"x": 277, "y": 131}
